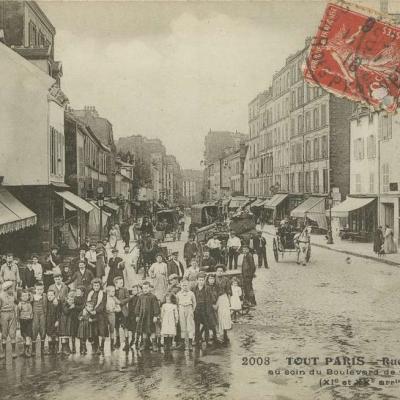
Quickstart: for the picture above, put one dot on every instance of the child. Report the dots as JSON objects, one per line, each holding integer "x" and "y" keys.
{"x": 212, "y": 315}
{"x": 53, "y": 314}
{"x": 8, "y": 316}
{"x": 157, "y": 323}
{"x": 191, "y": 273}
{"x": 85, "y": 329}
{"x": 79, "y": 301}
{"x": 186, "y": 304}
{"x": 25, "y": 316}
{"x": 223, "y": 306}
{"x": 67, "y": 310}
{"x": 236, "y": 302}
{"x": 39, "y": 307}
{"x": 169, "y": 320}
{"x": 131, "y": 322}
{"x": 147, "y": 311}
{"x": 112, "y": 306}
{"x": 122, "y": 294}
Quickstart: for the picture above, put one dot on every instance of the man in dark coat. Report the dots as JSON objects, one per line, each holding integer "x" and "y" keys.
{"x": 125, "y": 235}
{"x": 190, "y": 251}
{"x": 248, "y": 273}
{"x": 147, "y": 227}
{"x": 260, "y": 248}
{"x": 208, "y": 263}
{"x": 116, "y": 267}
{"x": 175, "y": 266}
{"x": 82, "y": 276}
{"x": 81, "y": 257}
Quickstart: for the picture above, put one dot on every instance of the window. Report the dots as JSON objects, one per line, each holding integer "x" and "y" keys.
{"x": 32, "y": 34}
{"x": 293, "y": 100}
{"x": 300, "y": 123}
{"x": 316, "y": 149}
{"x": 325, "y": 180}
{"x": 292, "y": 127}
{"x": 300, "y": 95}
{"x": 316, "y": 118}
{"x": 324, "y": 147}
{"x": 371, "y": 182}
{"x": 323, "y": 114}
{"x": 316, "y": 181}
{"x": 308, "y": 150}
{"x": 56, "y": 152}
{"x": 308, "y": 182}
{"x": 308, "y": 121}
{"x": 358, "y": 183}
{"x": 385, "y": 126}
{"x": 292, "y": 182}
{"x": 358, "y": 149}
{"x": 371, "y": 146}
{"x": 385, "y": 174}
{"x": 309, "y": 93}
{"x": 299, "y": 153}
{"x": 300, "y": 181}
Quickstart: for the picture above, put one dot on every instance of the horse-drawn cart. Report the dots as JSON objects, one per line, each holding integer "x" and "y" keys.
{"x": 287, "y": 242}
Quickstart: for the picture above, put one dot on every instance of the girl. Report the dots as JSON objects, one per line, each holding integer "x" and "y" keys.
{"x": 236, "y": 302}
{"x": 223, "y": 306}
{"x": 85, "y": 329}
{"x": 169, "y": 320}
{"x": 25, "y": 316}
{"x": 113, "y": 236}
{"x": 79, "y": 301}
{"x": 212, "y": 315}
{"x": 67, "y": 310}
{"x": 192, "y": 273}
{"x": 131, "y": 321}
{"x": 52, "y": 321}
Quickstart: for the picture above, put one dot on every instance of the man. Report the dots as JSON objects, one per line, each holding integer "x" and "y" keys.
{"x": 175, "y": 267}
{"x": 81, "y": 277}
{"x": 190, "y": 250}
{"x": 28, "y": 276}
{"x": 37, "y": 268}
{"x": 9, "y": 271}
{"x": 147, "y": 227}
{"x": 248, "y": 273}
{"x": 303, "y": 243}
{"x": 91, "y": 256}
{"x": 233, "y": 245}
{"x": 260, "y": 248}
{"x": 214, "y": 245}
{"x": 125, "y": 235}
{"x": 116, "y": 268}
{"x": 207, "y": 263}
{"x": 59, "y": 287}
{"x": 86, "y": 244}
{"x": 8, "y": 317}
{"x": 81, "y": 257}
{"x": 121, "y": 317}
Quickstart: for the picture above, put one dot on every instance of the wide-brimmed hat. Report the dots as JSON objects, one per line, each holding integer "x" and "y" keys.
{"x": 7, "y": 284}
{"x": 173, "y": 276}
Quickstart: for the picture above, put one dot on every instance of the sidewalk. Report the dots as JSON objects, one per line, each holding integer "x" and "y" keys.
{"x": 357, "y": 249}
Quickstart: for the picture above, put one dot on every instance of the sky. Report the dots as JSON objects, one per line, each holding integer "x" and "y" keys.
{"x": 175, "y": 70}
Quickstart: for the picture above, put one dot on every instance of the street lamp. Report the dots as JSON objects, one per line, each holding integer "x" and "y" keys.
{"x": 100, "y": 203}
{"x": 330, "y": 203}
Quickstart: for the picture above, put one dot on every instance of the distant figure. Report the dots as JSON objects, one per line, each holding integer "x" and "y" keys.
{"x": 389, "y": 245}
{"x": 378, "y": 241}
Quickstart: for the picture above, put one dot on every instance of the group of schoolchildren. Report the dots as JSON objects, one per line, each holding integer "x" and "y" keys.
{"x": 187, "y": 308}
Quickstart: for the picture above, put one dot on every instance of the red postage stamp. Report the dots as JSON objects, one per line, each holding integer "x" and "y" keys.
{"x": 356, "y": 54}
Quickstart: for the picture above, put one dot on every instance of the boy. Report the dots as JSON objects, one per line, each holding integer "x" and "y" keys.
{"x": 186, "y": 301}
{"x": 111, "y": 308}
{"x": 25, "y": 316}
{"x": 53, "y": 314}
{"x": 59, "y": 288}
{"x": 28, "y": 276}
{"x": 8, "y": 316}
{"x": 147, "y": 311}
{"x": 37, "y": 268}
{"x": 39, "y": 308}
{"x": 122, "y": 294}
{"x": 82, "y": 276}
{"x": 9, "y": 271}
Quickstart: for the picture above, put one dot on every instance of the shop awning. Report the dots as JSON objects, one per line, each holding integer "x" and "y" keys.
{"x": 237, "y": 202}
{"x": 257, "y": 203}
{"x": 276, "y": 200}
{"x": 97, "y": 208}
{"x": 314, "y": 208}
{"x": 69, "y": 207}
{"x": 76, "y": 201}
{"x": 111, "y": 206}
{"x": 13, "y": 214}
{"x": 350, "y": 204}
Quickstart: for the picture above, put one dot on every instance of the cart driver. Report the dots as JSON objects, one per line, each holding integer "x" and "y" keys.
{"x": 303, "y": 243}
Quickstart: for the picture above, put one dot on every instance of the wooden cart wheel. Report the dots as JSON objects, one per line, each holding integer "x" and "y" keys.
{"x": 308, "y": 255}
{"x": 275, "y": 249}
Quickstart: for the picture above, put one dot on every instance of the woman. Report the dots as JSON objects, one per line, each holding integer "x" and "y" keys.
{"x": 113, "y": 236}
{"x": 389, "y": 246}
{"x": 378, "y": 241}
{"x": 158, "y": 273}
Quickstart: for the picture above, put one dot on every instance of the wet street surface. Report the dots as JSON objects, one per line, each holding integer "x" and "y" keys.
{"x": 329, "y": 308}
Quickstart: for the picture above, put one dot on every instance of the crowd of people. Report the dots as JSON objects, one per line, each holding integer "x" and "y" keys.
{"x": 64, "y": 307}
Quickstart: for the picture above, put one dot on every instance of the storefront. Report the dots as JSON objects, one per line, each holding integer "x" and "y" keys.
{"x": 312, "y": 211}
{"x": 355, "y": 218}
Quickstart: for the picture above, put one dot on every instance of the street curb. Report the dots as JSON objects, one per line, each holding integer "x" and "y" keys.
{"x": 351, "y": 253}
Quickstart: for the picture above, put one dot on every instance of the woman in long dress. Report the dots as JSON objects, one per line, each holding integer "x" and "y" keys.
{"x": 389, "y": 245}
{"x": 113, "y": 236}
{"x": 158, "y": 273}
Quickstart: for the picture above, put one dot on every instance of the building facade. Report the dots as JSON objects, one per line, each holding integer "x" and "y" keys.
{"x": 192, "y": 186}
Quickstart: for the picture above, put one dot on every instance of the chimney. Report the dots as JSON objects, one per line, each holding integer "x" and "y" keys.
{"x": 384, "y": 6}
